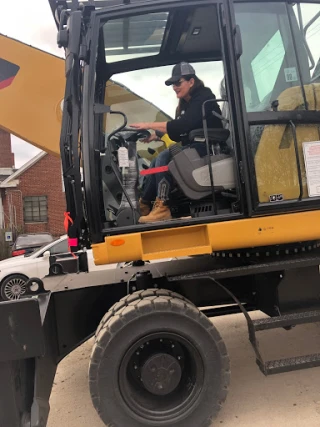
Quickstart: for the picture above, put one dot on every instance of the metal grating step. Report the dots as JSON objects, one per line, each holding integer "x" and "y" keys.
{"x": 286, "y": 320}
{"x": 291, "y": 364}
{"x": 281, "y": 365}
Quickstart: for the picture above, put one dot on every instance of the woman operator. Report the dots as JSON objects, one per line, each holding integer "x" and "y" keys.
{"x": 191, "y": 93}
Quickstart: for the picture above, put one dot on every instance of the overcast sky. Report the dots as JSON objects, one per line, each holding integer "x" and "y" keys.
{"x": 32, "y": 23}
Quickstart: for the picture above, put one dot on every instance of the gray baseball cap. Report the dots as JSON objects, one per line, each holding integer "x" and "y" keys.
{"x": 180, "y": 70}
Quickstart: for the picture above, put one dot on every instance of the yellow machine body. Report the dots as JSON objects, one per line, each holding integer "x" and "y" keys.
{"x": 207, "y": 238}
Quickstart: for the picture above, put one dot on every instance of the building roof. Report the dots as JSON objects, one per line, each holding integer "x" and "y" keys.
{"x": 3, "y": 177}
{"x": 10, "y": 180}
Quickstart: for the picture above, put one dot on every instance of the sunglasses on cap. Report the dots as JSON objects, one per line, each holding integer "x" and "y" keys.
{"x": 178, "y": 83}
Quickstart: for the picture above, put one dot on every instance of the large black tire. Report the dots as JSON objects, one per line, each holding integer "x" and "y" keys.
{"x": 158, "y": 361}
{"x": 136, "y": 296}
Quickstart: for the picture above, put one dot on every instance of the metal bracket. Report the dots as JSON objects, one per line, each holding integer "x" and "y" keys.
{"x": 101, "y": 109}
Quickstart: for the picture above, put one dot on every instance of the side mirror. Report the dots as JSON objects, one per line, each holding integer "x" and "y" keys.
{"x": 74, "y": 26}
{"x": 238, "y": 42}
{"x": 46, "y": 254}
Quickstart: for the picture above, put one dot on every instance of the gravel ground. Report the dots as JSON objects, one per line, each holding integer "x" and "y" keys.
{"x": 291, "y": 399}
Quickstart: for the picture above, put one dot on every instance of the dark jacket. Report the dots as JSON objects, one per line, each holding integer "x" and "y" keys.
{"x": 190, "y": 117}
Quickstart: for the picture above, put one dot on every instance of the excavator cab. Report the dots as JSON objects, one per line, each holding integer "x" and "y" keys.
{"x": 261, "y": 164}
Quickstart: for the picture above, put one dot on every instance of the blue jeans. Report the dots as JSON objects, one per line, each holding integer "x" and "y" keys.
{"x": 161, "y": 184}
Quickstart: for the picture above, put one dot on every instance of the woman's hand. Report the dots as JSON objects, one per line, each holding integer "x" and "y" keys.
{"x": 140, "y": 126}
{"x": 152, "y": 137}
{"x": 159, "y": 126}
{"x": 145, "y": 126}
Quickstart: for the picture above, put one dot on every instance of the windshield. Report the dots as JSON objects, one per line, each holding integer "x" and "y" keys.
{"x": 38, "y": 251}
{"x": 135, "y": 90}
{"x": 149, "y": 85}
{"x": 33, "y": 240}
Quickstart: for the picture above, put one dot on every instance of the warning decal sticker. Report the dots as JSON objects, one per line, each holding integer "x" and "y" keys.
{"x": 311, "y": 152}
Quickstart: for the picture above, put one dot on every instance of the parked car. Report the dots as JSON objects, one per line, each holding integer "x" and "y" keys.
{"x": 27, "y": 243}
{"x": 14, "y": 272}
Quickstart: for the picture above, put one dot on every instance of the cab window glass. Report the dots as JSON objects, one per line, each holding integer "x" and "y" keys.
{"x": 266, "y": 65}
{"x": 269, "y": 65}
{"x": 308, "y": 18}
{"x": 280, "y": 69}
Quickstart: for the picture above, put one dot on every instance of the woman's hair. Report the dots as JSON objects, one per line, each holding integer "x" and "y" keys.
{"x": 197, "y": 84}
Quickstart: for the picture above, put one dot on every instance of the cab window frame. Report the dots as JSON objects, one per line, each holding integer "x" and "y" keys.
{"x": 295, "y": 117}
{"x": 104, "y": 71}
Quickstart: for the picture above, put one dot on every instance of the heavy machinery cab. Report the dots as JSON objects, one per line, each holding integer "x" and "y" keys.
{"x": 259, "y": 179}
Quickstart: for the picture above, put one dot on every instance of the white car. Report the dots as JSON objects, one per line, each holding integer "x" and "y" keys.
{"x": 14, "y": 272}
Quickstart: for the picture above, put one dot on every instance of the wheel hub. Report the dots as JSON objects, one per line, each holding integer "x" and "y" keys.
{"x": 16, "y": 289}
{"x": 161, "y": 374}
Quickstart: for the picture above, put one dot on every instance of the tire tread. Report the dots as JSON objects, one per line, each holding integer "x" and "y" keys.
{"x": 145, "y": 302}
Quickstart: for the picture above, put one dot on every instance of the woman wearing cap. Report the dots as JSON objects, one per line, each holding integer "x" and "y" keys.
{"x": 191, "y": 93}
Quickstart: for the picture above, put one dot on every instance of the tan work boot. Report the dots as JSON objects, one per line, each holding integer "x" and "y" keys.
{"x": 160, "y": 212}
{"x": 145, "y": 207}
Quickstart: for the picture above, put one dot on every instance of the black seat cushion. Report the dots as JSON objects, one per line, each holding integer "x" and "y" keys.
{"x": 215, "y": 134}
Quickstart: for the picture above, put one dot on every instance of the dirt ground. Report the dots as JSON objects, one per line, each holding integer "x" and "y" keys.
{"x": 291, "y": 399}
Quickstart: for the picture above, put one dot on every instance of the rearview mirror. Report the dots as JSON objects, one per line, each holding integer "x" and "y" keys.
{"x": 238, "y": 42}
{"x": 73, "y": 40}
{"x": 46, "y": 254}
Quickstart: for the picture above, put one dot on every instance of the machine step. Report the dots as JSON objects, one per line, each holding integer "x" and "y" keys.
{"x": 293, "y": 363}
{"x": 290, "y": 364}
{"x": 280, "y": 365}
{"x": 286, "y": 320}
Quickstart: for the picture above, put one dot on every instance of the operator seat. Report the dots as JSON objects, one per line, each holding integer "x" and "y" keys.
{"x": 191, "y": 171}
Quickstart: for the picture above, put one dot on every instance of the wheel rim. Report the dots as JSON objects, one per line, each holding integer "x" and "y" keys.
{"x": 14, "y": 288}
{"x": 161, "y": 377}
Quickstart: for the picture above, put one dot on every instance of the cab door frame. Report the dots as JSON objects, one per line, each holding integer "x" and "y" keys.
{"x": 231, "y": 54}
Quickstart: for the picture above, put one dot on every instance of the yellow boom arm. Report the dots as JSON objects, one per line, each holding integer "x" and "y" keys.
{"x": 32, "y": 84}
{"x": 30, "y": 101}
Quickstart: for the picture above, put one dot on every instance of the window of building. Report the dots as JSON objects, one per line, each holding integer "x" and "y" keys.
{"x": 35, "y": 209}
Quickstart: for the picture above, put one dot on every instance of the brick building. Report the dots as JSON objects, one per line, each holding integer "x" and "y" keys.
{"x": 32, "y": 197}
